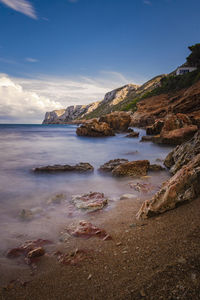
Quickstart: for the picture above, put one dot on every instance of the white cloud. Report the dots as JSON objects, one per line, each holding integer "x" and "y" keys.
{"x": 21, "y": 106}
{"x": 26, "y": 99}
{"x": 30, "y": 59}
{"x": 22, "y": 6}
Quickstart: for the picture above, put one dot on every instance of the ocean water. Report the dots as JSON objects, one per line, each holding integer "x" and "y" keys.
{"x": 24, "y": 147}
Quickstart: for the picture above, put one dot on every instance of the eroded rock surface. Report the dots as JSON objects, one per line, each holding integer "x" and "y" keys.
{"x": 132, "y": 168}
{"x": 81, "y": 167}
{"x": 183, "y": 154}
{"x": 183, "y": 186}
{"x": 92, "y": 201}
{"x": 111, "y": 164}
{"x": 118, "y": 121}
{"x": 95, "y": 128}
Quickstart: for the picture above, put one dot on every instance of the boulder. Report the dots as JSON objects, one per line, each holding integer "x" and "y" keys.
{"x": 111, "y": 164}
{"x": 95, "y": 128}
{"x": 92, "y": 201}
{"x": 133, "y": 134}
{"x": 176, "y": 130}
{"x": 176, "y": 136}
{"x": 81, "y": 167}
{"x": 118, "y": 121}
{"x": 183, "y": 154}
{"x": 183, "y": 186}
{"x": 36, "y": 252}
{"x": 155, "y": 128}
{"x": 133, "y": 168}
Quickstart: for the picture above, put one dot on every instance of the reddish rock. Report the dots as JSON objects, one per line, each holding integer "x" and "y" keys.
{"x": 118, "y": 121}
{"x": 111, "y": 164}
{"x": 86, "y": 230}
{"x": 72, "y": 258}
{"x": 36, "y": 252}
{"x": 183, "y": 186}
{"x": 133, "y": 168}
{"x": 95, "y": 128}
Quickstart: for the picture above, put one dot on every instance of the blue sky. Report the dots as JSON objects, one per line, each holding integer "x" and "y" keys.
{"x": 102, "y": 43}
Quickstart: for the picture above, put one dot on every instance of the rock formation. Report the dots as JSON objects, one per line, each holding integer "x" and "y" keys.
{"x": 118, "y": 121}
{"x": 81, "y": 167}
{"x": 132, "y": 168}
{"x": 95, "y": 128}
{"x": 111, "y": 164}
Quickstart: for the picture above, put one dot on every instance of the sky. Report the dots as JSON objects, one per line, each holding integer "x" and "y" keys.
{"x": 56, "y": 53}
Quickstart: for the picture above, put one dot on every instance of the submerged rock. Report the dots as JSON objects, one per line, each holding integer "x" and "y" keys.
{"x": 29, "y": 214}
{"x": 111, "y": 164}
{"x": 146, "y": 138}
{"x": 92, "y": 201}
{"x": 36, "y": 252}
{"x": 128, "y": 196}
{"x": 156, "y": 168}
{"x": 86, "y": 230}
{"x": 81, "y": 167}
{"x": 183, "y": 186}
{"x": 133, "y": 134}
{"x": 132, "y": 168}
{"x": 57, "y": 199}
{"x": 183, "y": 154}
{"x": 95, "y": 128}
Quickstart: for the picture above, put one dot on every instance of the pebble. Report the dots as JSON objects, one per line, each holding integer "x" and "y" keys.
{"x": 89, "y": 276}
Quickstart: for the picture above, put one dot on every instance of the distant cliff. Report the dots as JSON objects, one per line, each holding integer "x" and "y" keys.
{"x": 114, "y": 100}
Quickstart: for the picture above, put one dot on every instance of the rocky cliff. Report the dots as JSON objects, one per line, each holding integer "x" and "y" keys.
{"x": 114, "y": 100}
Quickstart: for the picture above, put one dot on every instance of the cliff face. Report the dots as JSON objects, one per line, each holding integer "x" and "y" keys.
{"x": 113, "y": 101}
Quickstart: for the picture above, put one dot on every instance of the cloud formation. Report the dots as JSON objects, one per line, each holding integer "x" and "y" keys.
{"x": 21, "y": 106}
{"x": 25, "y": 100}
{"x": 22, "y": 6}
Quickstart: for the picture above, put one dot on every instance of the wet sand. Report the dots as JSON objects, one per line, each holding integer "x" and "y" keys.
{"x": 158, "y": 258}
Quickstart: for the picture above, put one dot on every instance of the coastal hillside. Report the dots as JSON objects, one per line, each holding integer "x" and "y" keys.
{"x": 114, "y": 100}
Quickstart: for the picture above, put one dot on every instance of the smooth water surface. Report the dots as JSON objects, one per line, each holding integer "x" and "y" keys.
{"x": 24, "y": 147}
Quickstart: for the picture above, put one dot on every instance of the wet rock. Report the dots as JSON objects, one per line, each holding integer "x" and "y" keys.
{"x": 183, "y": 154}
{"x": 92, "y": 201}
{"x": 133, "y": 168}
{"x": 155, "y": 128}
{"x": 176, "y": 130}
{"x": 29, "y": 214}
{"x": 29, "y": 250}
{"x": 36, "y": 252}
{"x": 133, "y": 134}
{"x": 95, "y": 128}
{"x": 87, "y": 230}
{"x": 156, "y": 168}
{"x": 128, "y": 196}
{"x": 146, "y": 138}
{"x": 183, "y": 186}
{"x": 111, "y": 164}
{"x": 81, "y": 167}
{"x": 118, "y": 121}
{"x": 129, "y": 130}
{"x": 57, "y": 199}
{"x": 141, "y": 187}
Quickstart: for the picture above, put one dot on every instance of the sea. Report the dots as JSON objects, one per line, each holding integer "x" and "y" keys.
{"x": 25, "y": 147}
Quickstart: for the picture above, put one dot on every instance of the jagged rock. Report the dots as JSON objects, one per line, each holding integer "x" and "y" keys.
{"x": 133, "y": 134}
{"x": 156, "y": 167}
{"x": 118, "y": 121}
{"x": 132, "y": 168}
{"x": 176, "y": 130}
{"x": 36, "y": 252}
{"x": 183, "y": 186}
{"x": 92, "y": 201}
{"x": 86, "y": 230}
{"x": 111, "y": 164}
{"x": 183, "y": 154}
{"x": 95, "y": 128}
{"x": 81, "y": 167}
{"x": 146, "y": 138}
{"x": 155, "y": 128}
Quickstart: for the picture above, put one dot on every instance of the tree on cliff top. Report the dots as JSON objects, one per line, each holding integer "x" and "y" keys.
{"x": 194, "y": 58}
